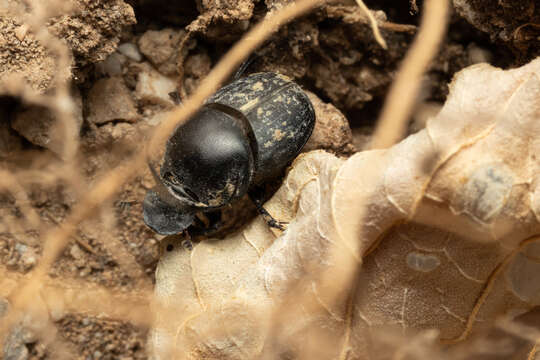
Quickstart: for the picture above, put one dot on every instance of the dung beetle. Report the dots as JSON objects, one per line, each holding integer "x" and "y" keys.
{"x": 244, "y": 135}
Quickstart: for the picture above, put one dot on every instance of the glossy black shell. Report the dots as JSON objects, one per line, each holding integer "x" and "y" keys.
{"x": 280, "y": 114}
{"x": 242, "y": 136}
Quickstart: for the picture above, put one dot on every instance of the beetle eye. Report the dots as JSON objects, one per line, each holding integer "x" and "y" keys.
{"x": 191, "y": 194}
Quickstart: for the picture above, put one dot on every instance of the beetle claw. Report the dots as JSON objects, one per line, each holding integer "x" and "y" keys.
{"x": 277, "y": 224}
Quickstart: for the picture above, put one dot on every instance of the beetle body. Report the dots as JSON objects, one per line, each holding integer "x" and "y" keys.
{"x": 243, "y": 135}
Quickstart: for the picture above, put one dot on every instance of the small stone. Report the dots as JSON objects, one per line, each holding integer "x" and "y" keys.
{"x": 110, "y": 100}
{"x": 21, "y": 32}
{"x": 40, "y": 126}
{"x": 332, "y": 131}
{"x": 112, "y": 65}
{"x": 37, "y": 125}
{"x": 76, "y": 252}
{"x": 154, "y": 88}
{"x": 29, "y": 258}
{"x": 198, "y": 65}
{"x": 21, "y": 248}
{"x": 85, "y": 272}
{"x": 131, "y": 51}
{"x": 161, "y": 48}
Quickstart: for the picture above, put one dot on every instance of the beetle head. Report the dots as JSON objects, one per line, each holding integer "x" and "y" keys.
{"x": 163, "y": 212}
{"x": 166, "y": 218}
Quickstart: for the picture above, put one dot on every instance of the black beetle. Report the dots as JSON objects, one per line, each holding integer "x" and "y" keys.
{"x": 243, "y": 135}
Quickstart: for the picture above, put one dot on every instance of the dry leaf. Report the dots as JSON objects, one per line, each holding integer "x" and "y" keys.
{"x": 442, "y": 227}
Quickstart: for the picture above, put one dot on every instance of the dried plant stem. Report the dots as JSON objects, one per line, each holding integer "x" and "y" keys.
{"x": 77, "y": 296}
{"x": 533, "y": 352}
{"x": 373, "y": 23}
{"x": 400, "y": 101}
{"x": 56, "y": 239}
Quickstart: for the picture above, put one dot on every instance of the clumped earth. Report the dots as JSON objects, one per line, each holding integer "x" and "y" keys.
{"x": 121, "y": 59}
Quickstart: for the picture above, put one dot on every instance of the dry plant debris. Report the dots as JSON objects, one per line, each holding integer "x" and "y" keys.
{"x": 81, "y": 90}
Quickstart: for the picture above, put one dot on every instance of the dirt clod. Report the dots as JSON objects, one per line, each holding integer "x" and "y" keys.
{"x": 27, "y": 58}
{"x": 99, "y": 22}
{"x": 110, "y": 100}
{"x": 42, "y": 127}
{"x": 332, "y": 131}
{"x": 162, "y": 49}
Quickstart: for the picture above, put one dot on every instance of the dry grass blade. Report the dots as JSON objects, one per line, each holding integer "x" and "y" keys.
{"x": 373, "y": 23}
{"x": 403, "y": 93}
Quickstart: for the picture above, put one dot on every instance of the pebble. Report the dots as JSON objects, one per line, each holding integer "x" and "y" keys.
{"x": 161, "y": 48}
{"x": 131, "y": 51}
{"x": 39, "y": 125}
{"x": 154, "y": 88}
{"x": 112, "y": 65}
{"x": 76, "y": 252}
{"x": 110, "y": 100}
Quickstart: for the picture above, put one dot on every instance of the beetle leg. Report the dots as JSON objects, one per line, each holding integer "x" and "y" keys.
{"x": 256, "y": 197}
{"x": 243, "y": 67}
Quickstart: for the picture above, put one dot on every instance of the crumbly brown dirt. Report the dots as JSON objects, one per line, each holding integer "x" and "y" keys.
{"x": 331, "y": 53}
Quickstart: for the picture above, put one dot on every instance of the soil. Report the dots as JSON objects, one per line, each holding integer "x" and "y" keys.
{"x": 124, "y": 57}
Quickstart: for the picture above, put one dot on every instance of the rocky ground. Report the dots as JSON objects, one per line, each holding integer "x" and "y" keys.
{"x": 117, "y": 61}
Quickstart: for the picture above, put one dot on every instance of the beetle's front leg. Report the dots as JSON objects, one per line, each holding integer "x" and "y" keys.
{"x": 257, "y": 197}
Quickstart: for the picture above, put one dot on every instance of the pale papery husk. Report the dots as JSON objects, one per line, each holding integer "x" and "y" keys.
{"x": 442, "y": 227}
